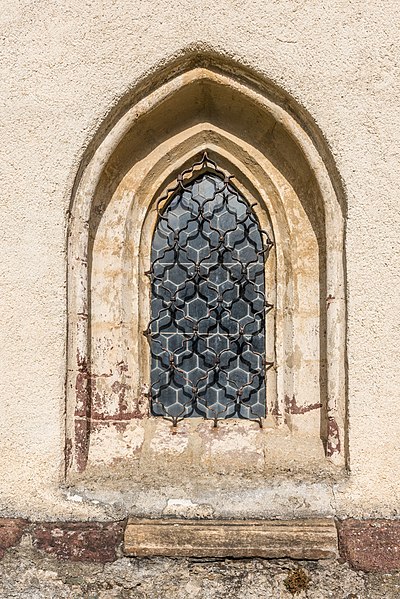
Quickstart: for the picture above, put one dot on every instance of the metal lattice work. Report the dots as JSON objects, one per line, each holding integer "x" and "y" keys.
{"x": 208, "y": 306}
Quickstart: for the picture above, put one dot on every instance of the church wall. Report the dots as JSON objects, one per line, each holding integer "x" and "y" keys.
{"x": 67, "y": 69}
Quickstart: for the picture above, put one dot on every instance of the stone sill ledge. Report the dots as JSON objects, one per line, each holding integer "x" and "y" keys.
{"x": 296, "y": 539}
{"x": 371, "y": 545}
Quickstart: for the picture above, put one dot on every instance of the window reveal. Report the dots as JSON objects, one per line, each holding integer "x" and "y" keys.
{"x": 208, "y": 302}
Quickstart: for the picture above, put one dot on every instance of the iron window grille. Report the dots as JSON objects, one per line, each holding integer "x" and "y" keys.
{"x": 208, "y": 301}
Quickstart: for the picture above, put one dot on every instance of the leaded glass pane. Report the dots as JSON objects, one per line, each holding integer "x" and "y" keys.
{"x": 207, "y": 328}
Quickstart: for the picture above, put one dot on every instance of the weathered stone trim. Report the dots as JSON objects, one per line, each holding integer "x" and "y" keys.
{"x": 370, "y": 545}
{"x": 297, "y": 539}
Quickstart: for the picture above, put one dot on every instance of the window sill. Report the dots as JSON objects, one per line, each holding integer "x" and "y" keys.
{"x": 296, "y": 539}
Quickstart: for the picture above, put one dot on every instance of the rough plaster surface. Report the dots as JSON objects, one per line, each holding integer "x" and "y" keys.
{"x": 63, "y": 69}
{"x": 28, "y": 575}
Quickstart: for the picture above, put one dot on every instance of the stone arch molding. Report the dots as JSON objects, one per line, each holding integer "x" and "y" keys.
{"x": 275, "y": 163}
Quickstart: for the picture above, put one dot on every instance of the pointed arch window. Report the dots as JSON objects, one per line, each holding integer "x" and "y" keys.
{"x": 289, "y": 172}
{"x": 208, "y": 301}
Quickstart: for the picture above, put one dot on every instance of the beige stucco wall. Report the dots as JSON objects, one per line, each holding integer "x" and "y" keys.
{"x": 65, "y": 65}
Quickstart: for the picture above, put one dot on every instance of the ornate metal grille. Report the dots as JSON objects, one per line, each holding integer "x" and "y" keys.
{"x": 208, "y": 304}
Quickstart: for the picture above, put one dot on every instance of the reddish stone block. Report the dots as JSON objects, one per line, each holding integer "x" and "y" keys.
{"x": 11, "y": 530}
{"x": 79, "y": 541}
{"x": 370, "y": 545}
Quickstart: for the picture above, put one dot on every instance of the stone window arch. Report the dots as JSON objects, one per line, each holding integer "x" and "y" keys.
{"x": 280, "y": 161}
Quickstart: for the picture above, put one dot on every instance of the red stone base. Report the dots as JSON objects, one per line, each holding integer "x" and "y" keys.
{"x": 76, "y": 541}
{"x": 11, "y": 531}
{"x": 369, "y": 545}
{"x": 79, "y": 541}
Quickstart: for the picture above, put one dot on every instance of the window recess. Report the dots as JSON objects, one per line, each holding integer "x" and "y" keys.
{"x": 208, "y": 301}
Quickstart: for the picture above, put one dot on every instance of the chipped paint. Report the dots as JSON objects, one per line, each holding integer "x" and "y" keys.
{"x": 186, "y": 508}
{"x": 114, "y": 441}
{"x": 166, "y": 440}
{"x": 291, "y": 406}
{"x": 333, "y": 443}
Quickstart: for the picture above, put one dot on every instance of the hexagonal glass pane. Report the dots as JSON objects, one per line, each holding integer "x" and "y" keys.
{"x": 207, "y": 329}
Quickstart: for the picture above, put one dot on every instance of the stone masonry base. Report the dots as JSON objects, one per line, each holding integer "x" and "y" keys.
{"x": 85, "y": 559}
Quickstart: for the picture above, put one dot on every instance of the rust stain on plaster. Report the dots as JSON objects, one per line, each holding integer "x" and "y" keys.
{"x": 91, "y": 401}
{"x": 119, "y": 425}
{"x": 275, "y": 411}
{"x": 142, "y": 407}
{"x": 333, "y": 441}
{"x": 329, "y": 300}
{"x": 82, "y": 394}
{"x": 102, "y": 397}
{"x": 68, "y": 453}
{"x": 82, "y": 434}
{"x": 122, "y": 367}
{"x": 82, "y": 413}
{"x": 91, "y": 407}
{"x": 120, "y": 390}
{"x": 291, "y": 406}
{"x": 82, "y": 387}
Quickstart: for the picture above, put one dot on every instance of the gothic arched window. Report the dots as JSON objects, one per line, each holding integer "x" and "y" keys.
{"x": 208, "y": 301}
{"x": 210, "y": 338}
